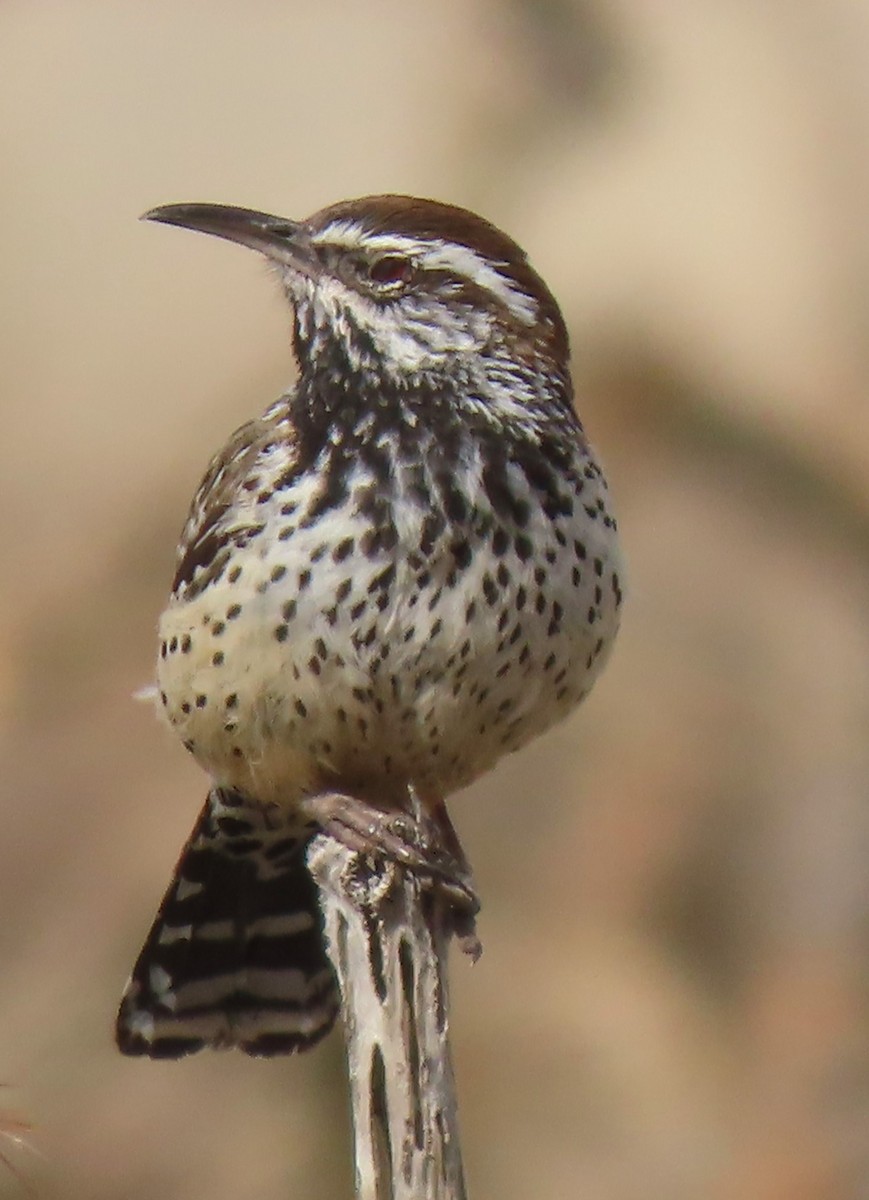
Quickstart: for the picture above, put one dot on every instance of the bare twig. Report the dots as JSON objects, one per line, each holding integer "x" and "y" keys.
{"x": 388, "y": 929}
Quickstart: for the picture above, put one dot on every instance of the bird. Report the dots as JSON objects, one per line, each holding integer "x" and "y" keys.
{"x": 406, "y": 568}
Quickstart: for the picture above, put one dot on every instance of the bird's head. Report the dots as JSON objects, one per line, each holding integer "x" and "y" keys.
{"x": 399, "y": 287}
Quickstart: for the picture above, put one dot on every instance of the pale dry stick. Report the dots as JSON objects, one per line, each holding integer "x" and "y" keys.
{"x": 388, "y": 930}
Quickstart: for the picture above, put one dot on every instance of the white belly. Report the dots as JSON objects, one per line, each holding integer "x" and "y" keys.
{"x": 320, "y": 664}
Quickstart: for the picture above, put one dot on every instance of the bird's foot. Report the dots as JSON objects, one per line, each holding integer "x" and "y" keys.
{"x": 412, "y": 841}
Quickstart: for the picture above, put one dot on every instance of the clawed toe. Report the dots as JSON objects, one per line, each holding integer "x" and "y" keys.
{"x": 413, "y": 842}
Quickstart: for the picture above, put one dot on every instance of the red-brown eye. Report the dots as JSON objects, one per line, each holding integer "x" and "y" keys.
{"x": 390, "y": 269}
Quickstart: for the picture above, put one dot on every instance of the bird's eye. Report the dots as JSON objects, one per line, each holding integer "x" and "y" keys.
{"x": 390, "y": 269}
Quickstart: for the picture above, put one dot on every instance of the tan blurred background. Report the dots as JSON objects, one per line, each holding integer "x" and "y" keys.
{"x": 673, "y": 999}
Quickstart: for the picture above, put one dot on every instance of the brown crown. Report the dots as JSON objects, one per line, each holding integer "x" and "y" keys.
{"x": 433, "y": 220}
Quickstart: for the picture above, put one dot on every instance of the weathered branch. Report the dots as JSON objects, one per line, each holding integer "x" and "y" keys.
{"x": 389, "y": 928}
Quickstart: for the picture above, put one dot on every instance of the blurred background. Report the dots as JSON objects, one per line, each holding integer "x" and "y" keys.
{"x": 674, "y": 998}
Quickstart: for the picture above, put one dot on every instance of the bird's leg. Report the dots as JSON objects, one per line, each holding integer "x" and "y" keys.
{"x": 432, "y": 815}
{"x": 448, "y": 836}
{"x": 419, "y": 840}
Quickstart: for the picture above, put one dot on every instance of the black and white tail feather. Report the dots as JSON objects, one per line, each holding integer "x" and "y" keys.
{"x": 236, "y": 955}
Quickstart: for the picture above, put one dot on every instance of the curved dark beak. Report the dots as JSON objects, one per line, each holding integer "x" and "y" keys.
{"x": 279, "y": 239}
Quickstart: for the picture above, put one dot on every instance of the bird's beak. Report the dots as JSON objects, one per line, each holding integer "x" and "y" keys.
{"x": 283, "y": 241}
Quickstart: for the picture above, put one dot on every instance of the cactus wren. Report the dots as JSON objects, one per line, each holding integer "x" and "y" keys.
{"x": 404, "y": 569}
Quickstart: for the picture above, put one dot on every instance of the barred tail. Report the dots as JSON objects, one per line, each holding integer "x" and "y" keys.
{"x": 236, "y": 955}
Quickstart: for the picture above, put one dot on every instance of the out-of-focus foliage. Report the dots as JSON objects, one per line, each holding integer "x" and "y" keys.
{"x": 673, "y": 1001}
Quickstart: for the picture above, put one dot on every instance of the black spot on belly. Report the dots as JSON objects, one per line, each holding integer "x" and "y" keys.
{"x": 234, "y": 826}
{"x": 461, "y": 552}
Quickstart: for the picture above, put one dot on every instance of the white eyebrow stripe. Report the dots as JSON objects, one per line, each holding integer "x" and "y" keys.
{"x": 464, "y": 261}
{"x": 342, "y": 233}
{"x": 350, "y": 235}
{"x": 460, "y": 260}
